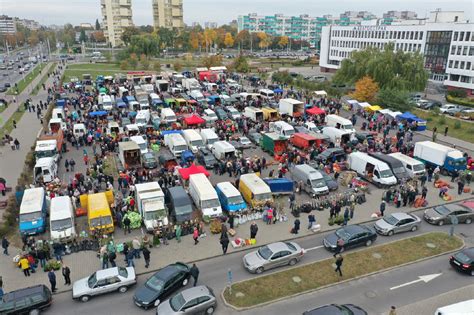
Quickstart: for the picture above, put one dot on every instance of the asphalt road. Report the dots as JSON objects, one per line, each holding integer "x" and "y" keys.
{"x": 372, "y": 292}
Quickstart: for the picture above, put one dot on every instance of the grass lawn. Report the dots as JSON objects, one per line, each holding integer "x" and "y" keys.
{"x": 95, "y": 66}
{"x": 8, "y": 126}
{"x": 39, "y": 86}
{"x": 23, "y": 83}
{"x": 463, "y": 130}
{"x": 321, "y": 273}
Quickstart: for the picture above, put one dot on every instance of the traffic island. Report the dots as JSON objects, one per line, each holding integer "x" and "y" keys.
{"x": 320, "y": 274}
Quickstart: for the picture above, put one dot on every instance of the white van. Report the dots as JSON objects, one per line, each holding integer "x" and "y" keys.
{"x": 282, "y": 128}
{"x": 143, "y": 118}
{"x": 132, "y": 130}
{"x": 61, "y": 219}
{"x": 209, "y": 116}
{"x": 461, "y": 308}
{"x": 267, "y": 94}
{"x": 176, "y": 144}
{"x": 209, "y": 137}
{"x": 413, "y": 166}
{"x": 197, "y": 95}
{"x": 337, "y": 136}
{"x": 372, "y": 169}
{"x": 45, "y": 169}
{"x": 204, "y": 196}
{"x": 193, "y": 139}
{"x": 339, "y": 123}
{"x": 79, "y": 130}
{"x": 58, "y": 113}
{"x": 141, "y": 142}
{"x": 223, "y": 150}
{"x": 107, "y": 103}
{"x": 168, "y": 116}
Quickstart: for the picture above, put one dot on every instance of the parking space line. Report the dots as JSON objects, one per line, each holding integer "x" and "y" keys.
{"x": 313, "y": 248}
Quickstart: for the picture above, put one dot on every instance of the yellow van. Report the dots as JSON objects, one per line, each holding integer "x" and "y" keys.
{"x": 270, "y": 114}
{"x": 99, "y": 215}
{"x": 254, "y": 190}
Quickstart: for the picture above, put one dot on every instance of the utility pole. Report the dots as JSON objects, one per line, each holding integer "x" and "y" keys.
{"x": 251, "y": 43}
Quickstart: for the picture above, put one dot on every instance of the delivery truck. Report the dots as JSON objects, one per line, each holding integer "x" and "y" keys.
{"x": 434, "y": 154}
{"x": 204, "y": 196}
{"x": 273, "y": 143}
{"x": 371, "y": 169}
{"x": 151, "y": 205}
{"x": 280, "y": 186}
{"x": 303, "y": 140}
{"x": 291, "y": 107}
{"x": 49, "y": 144}
{"x": 129, "y": 154}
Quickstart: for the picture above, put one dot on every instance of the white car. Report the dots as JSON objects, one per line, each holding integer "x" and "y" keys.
{"x": 104, "y": 281}
{"x": 245, "y": 142}
{"x": 444, "y": 109}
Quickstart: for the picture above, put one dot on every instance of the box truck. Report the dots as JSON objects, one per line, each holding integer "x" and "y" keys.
{"x": 204, "y": 196}
{"x": 291, "y": 107}
{"x": 151, "y": 205}
{"x": 434, "y": 154}
{"x": 371, "y": 169}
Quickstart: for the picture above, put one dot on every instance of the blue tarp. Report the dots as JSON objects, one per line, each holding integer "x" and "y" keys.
{"x": 169, "y": 132}
{"x": 98, "y": 113}
{"x": 413, "y": 118}
{"x": 128, "y": 99}
{"x": 60, "y": 103}
{"x": 121, "y": 104}
{"x": 278, "y": 90}
{"x": 406, "y": 115}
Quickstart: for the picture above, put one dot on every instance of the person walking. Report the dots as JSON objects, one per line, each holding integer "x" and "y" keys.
{"x": 71, "y": 164}
{"x": 296, "y": 227}
{"x": 196, "y": 235}
{"x": 17, "y": 144}
{"x": 311, "y": 221}
{"x": 66, "y": 274}
{"x": 5, "y": 244}
{"x": 339, "y": 261}
{"x": 346, "y": 216}
{"x": 136, "y": 245}
{"x": 393, "y": 309}
{"x": 130, "y": 256}
{"x": 194, "y": 271}
{"x": 460, "y": 186}
{"x": 126, "y": 224}
{"x": 52, "y": 280}
{"x": 105, "y": 260}
{"x": 25, "y": 266}
{"x": 382, "y": 207}
{"x": 339, "y": 247}
{"x": 224, "y": 242}
{"x": 253, "y": 230}
{"x": 146, "y": 256}
{"x": 178, "y": 233}
{"x": 66, "y": 165}
{"x": 446, "y": 131}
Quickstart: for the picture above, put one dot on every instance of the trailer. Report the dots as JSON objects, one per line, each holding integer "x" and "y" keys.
{"x": 291, "y": 107}
{"x": 273, "y": 143}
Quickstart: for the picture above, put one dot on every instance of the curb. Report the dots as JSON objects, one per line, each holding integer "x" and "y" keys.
{"x": 288, "y": 239}
{"x": 340, "y": 282}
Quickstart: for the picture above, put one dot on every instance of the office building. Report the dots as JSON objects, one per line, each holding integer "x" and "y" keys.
{"x": 7, "y": 25}
{"x": 168, "y": 13}
{"x": 116, "y": 15}
{"x": 445, "y": 40}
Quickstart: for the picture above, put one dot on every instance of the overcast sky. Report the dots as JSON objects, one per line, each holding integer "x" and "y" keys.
{"x": 87, "y": 11}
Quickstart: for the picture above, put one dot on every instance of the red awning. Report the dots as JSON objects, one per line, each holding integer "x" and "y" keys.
{"x": 193, "y": 169}
{"x": 194, "y": 120}
{"x": 315, "y": 111}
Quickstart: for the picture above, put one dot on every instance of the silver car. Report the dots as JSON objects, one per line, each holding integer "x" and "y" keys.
{"x": 196, "y": 300}
{"x": 273, "y": 255}
{"x": 396, "y": 223}
{"x": 104, "y": 281}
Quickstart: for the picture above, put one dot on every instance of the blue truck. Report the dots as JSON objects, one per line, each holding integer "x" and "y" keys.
{"x": 280, "y": 186}
{"x": 434, "y": 154}
{"x": 230, "y": 198}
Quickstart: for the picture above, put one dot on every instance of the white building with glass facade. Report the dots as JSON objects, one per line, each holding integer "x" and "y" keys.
{"x": 446, "y": 43}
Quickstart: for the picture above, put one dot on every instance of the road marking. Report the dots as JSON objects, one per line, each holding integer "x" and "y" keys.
{"x": 426, "y": 279}
{"x": 313, "y": 248}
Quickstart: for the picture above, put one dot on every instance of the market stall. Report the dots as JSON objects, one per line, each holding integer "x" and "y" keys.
{"x": 316, "y": 111}
{"x": 193, "y": 120}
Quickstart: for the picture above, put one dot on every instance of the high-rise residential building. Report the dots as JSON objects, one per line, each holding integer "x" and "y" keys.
{"x": 7, "y": 25}
{"x": 298, "y": 28}
{"x": 116, "y": 15}
{"x": 31, "y": 24}
{"x": 445, "y": 40}
{"x": 168, "y": 13}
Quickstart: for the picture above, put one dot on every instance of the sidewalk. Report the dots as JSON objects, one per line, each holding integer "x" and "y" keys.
{"x": 26, "y": 132}
{"x": 461, "y": 144}
{"x": 23, "y": 96}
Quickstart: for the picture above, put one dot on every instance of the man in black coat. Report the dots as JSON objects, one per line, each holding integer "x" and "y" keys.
{"x": 253, "y": 230}
{"x": 194, "y": 273}
{"x": 66, "y": 274}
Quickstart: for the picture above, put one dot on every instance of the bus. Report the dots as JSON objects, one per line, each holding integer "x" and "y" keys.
{"x": 33, "y": 211}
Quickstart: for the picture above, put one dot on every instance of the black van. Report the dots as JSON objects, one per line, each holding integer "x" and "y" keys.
{"x": 26, "y": 301}
{"x": 395, "y": 165}
{"x": 179, "y": 204}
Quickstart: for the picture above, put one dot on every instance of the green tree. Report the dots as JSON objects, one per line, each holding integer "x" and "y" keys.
{"x": 97, "y": 25}
{"x": 394, "y": 99}
{"x": 282, "y": 77}
{"x": 82, "y": 36}
{"x": 388, "y": 68}
{"x": 124, "y": 65}
{"x": 177, "y": 66}
{"x": 128, "y": 33}
{"x": 133, "y": 61}
{"x": 241, "y": 64}
{"x": 145, "y": 63}
{"x": 157, "y": 66}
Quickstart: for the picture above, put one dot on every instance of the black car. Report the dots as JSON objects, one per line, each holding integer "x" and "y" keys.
{"x": 364, "y": 135}
{"x": 26, "y": 301}
{"x": 464, "y": 261}
{"x": 332, "y": 153}
{"x": 431, "y": 105}
{"x": 334, "y": 309}
{"x": 3, "y": 88}
{"x": 161, "y": 285}
{"x": 205, "y": 158}
{"x": 352, "y": 235}
{"x": 330, "y": 182}
{"x": 221, "y": 114}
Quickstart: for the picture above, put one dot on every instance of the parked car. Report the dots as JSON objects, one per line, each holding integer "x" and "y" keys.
{"x": 396, "y": 223}
{"x": 440, "y": 215}
{"x": 464, "y": 260}
{"x": 196, "y": 300}
{"x": 104, "y": 281}
{"x": 273, "y": 255}
{"x": 255, "y": 138}
{"x": 467, "y": 114}
{"x": 149, "y": 160}
{"x": 206, "y": 158}
{"x": 328, "y": 155}
{"x": 431, "y": 105}
{"x": 443, "y": 109}
{"x": 30, "y": 300}
{"x": 161, "y": 285}
{"x": 335, "y": 309}
{"x": 453, "y": 111}
{"x": 365, "y": 135}
{"x": 352, "y": 235}
{"x": 245, "y": 142}
{"x": 221, "y": 114}
{"x": 330, "y": 182}
{"x": 3, "y": 88}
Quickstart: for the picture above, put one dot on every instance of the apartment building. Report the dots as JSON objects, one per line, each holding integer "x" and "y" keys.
{"x": 116, "y": 15}
{"x": 445, "y": 40}
{"x": 7, "y": 25}
{"x": 168, "y": 13}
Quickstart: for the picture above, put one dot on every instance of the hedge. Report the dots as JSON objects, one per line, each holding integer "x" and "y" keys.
{"x": 461, "y": 101}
